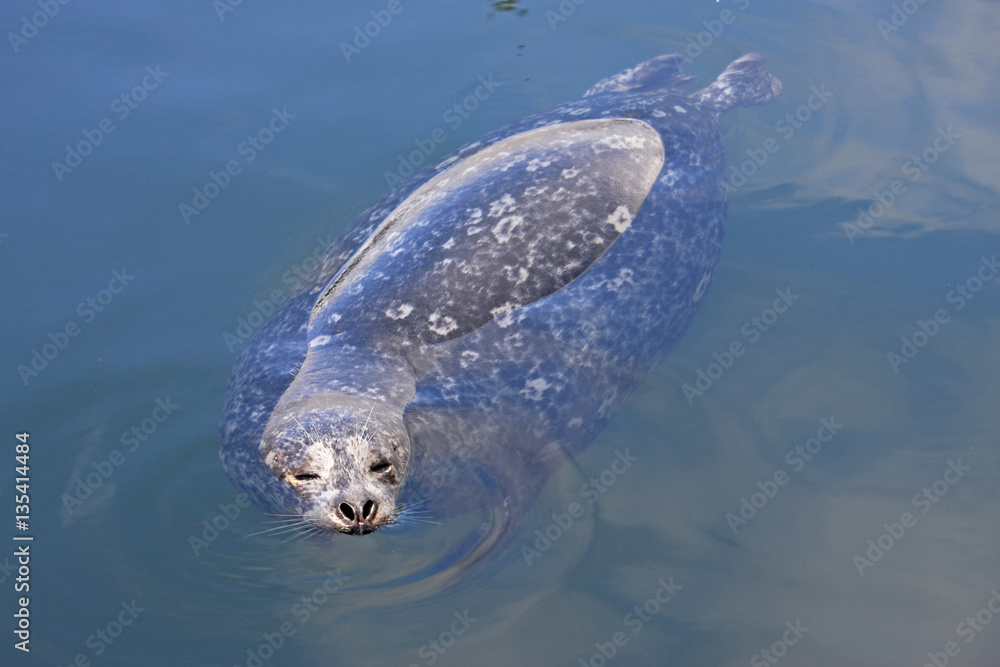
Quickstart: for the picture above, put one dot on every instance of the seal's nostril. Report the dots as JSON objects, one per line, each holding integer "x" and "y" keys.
{"x": 352, "y": 514}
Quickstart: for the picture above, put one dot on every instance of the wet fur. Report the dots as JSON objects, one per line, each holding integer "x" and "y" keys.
{"x": 502, "y": 391}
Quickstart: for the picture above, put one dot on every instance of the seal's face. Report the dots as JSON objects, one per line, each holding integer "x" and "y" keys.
{"x": 346, "y": 467}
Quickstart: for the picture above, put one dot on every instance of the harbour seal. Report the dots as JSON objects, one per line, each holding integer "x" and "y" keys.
{"x": 494, "y": 310}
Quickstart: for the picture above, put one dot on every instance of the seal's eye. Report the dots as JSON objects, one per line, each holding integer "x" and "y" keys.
{"x": 381, "y": 467}
{"x": 306, "y": 476}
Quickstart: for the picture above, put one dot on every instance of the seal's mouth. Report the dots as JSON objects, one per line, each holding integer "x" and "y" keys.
{"x": 350, "y": 519}
{"x": 352, "y": 528}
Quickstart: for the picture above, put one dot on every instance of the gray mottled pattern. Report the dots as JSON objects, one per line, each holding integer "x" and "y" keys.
{"x": 510, "y": 224}
{"x": 488, "y": 317}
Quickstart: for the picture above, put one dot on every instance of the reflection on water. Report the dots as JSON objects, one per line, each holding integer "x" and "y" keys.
{"x": 384, "y": 600}
{"x": 508, "y": 6}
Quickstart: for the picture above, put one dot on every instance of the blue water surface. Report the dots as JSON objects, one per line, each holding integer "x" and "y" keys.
{"x": 813, "y": 470}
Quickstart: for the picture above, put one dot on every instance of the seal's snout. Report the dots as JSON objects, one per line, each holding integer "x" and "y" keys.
{"x": 358, "y": 516}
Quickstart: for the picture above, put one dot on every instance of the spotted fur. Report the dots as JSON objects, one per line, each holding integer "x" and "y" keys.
{"x": 489, "y": 316}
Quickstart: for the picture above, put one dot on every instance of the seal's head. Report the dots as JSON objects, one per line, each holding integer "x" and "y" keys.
{"x": 344, "y": 460}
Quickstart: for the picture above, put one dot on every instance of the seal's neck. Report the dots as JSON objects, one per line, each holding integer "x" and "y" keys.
{"x": 341, "y": 396}
{"x": 363, "y": 376}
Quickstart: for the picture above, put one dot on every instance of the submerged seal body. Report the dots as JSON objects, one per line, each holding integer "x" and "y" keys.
{"x": 494, "y": 310}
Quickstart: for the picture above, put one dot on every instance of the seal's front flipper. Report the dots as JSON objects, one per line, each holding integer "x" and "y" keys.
{"x": 743, "y": 83}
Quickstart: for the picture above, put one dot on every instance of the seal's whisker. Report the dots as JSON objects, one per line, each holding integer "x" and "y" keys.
{"x": 308, "y": 435}
{"x": 271, "y": 532}
{"x": 279, "y": 530}
{"x": 416, "y": 519}
{"x": 415, "y": 508}
{"x": 276, "y": 530}
{"x": 411, "y": 506}
{"x": 368, "y": 419}
{"x": 412, "y": 514}
{"x": 310, "y": 533}
{"x": 409, "y": 520}
{"x": 292, "y": 534}
{"x": 364, "y": 438}
{"x": 302, "y": 535}
{"x": 278, "y": 527}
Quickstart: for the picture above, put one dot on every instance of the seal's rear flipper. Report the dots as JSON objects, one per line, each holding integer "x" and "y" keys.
{"x": 743, "y": 83}
{"x": 659, "y": 73}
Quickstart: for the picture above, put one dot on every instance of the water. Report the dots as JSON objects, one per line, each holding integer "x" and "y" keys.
{"x": 168, "y": 326}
